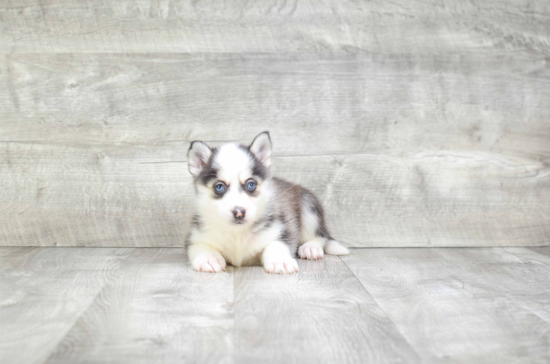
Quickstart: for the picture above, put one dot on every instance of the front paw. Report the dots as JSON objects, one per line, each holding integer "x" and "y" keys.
{"x": 208, "y": 262}
{"x": 311, "y": 250}
{"x": 281, "y": 265}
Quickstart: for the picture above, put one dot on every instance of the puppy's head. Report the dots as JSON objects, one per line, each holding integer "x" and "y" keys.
{"x": 232, "y": 180}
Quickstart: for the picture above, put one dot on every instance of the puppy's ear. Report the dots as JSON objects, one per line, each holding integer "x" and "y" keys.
{"x": 197, "y": 157}
{"x": 261, "y": 148}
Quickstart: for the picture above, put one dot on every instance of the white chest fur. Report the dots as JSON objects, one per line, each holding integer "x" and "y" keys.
{"x": 238, "y": 245}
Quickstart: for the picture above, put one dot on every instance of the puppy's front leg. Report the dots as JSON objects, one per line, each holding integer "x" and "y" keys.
{"x": 276, "y": 258}
{"x": 205, "y": 258}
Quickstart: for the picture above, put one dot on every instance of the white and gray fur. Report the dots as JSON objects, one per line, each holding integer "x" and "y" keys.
{"x": 281, "y": 219}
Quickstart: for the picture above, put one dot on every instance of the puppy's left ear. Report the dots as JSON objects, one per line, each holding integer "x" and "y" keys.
{"x": 261, "y": 148}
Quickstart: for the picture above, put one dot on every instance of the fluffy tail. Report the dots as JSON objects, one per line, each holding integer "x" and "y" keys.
{"x": 333, "y": 247}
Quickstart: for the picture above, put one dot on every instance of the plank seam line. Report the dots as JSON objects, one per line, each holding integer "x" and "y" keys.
{"x": 502, "y": 294}
{"x": 52, "y": 352}
{"x": 528, "y": 248}
{"x": 536, "y": 260}
{"x": 384, "y": 312}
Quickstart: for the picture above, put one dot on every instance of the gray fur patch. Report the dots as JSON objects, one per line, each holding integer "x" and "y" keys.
{"x": 258, "y": 169}
{"x": 209, "y": 172}
{"x": 285, "y": 237}
{"x": 196, "y": 222}
{"x": 264, "y": 222}
{"x": 285, "y": 207}
{"x": 313, "y": 203}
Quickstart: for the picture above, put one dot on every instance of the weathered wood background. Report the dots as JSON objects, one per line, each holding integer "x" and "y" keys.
{"x": 418, "y": 123}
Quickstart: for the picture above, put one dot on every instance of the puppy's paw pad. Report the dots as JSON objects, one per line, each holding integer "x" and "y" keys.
{"x": 311, "y": 251}
{"x": 211, "y": 263}
{"x": 281, "y": 266}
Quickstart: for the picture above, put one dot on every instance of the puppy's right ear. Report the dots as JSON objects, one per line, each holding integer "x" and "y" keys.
{"x": 197, "y": 157}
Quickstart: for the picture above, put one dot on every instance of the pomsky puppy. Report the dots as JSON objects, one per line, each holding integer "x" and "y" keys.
{"x": 244, "y": 216}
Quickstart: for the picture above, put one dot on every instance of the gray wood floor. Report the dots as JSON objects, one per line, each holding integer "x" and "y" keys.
{"x": 383, "y": 305}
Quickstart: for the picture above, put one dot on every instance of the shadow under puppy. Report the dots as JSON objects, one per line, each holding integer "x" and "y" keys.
{"x": 243, "y": 215}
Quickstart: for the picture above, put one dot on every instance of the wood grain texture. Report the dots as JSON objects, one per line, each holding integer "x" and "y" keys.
{"x": 313, "y": 104}
{"x": 43, "y": 292}
{"x": 158, "y": 311}
{"x": 514, "y": 273}
{"x": 541, "y": 251}
{"x": 402, "y": 305}
{"x": 412, "y": 150}
{"x": 370, "y": 201}
{"x": 461, "y": 305}
{"x": 320, "y": 315}
{"x": 398, "y": 27}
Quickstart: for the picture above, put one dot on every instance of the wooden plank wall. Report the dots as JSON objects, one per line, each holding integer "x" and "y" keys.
{"x": 418, "y": 123}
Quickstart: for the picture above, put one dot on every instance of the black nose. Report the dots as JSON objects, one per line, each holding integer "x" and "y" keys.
{"x": 239, "y": 213}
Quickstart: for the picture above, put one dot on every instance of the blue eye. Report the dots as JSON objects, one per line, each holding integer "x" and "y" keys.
{"x": 251, "y": 186}
{"x": 219, "y": 187}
